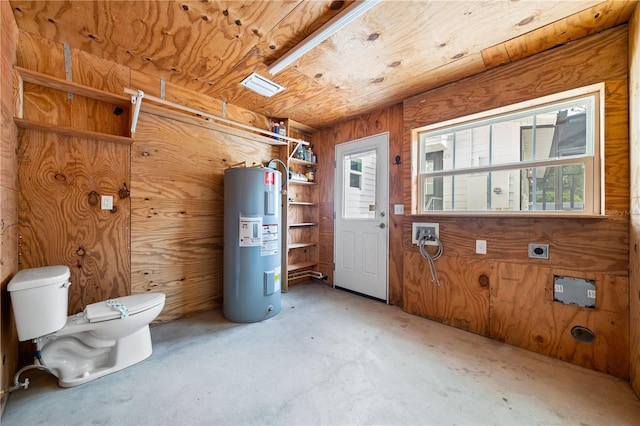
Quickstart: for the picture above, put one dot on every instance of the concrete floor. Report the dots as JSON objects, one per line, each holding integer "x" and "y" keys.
{"x": 329, "y": 357}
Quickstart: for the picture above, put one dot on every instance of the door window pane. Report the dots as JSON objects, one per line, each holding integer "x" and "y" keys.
{"x": 359, "y": 186}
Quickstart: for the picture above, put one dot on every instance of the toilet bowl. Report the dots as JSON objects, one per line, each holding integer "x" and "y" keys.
{"x": 106, "y": 337}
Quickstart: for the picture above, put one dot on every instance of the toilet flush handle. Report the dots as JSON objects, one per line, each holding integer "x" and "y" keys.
{"x": 66, "y": 284}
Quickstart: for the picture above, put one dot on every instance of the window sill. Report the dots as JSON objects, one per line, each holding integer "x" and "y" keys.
{"x": 614, "y": 215}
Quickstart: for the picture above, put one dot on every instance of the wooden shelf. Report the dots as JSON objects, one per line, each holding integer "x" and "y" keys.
{"x": 56, "y": 83}
{"x": 303, "y": 162}
{"x": 203, "y": 121}
{"x": 301, "y": 245}
{"x": 302, "y": 255}
{"x": 24, "y": 75}
{"x": 301, "y": 182}
{"x": 298, "y": 266}
{"x": 69, "y": 131}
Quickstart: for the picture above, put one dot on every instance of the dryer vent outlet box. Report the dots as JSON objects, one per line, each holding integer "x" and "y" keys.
{"x": 574, "y": 291}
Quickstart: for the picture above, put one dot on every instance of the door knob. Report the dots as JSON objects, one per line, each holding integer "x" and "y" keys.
{"x": 382, "y": 226}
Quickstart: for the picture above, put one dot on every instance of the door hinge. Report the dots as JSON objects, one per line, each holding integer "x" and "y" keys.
{"x": 334, "y": 266}
{"x": 334, "y": 215}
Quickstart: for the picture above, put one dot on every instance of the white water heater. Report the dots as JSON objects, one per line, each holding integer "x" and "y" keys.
{"x": 252, "y": 243}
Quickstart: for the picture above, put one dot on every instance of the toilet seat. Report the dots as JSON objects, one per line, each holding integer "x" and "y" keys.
{"x": 101, "y": 311}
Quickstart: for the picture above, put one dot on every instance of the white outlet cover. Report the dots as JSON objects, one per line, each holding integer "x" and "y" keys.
{"x": 481, "y": 246}
{"x": 398, "y": 208}
{"x": 106, "y": 202}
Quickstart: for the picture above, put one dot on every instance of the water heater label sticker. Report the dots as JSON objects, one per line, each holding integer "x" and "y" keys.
{"x": 269, "y": 178}
{"x": 269, "y": 240}
{"x": 250, "y": 231}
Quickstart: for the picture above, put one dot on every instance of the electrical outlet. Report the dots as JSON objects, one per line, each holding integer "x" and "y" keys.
{"x": 481, "y": 246}
{"x": 106, "y": 202}
{"x": 418, "y": 229}
{"x": 539, "y": 251}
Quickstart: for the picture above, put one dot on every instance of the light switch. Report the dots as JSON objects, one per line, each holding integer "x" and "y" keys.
{"x": 398, "y": 208}
{"x": 481, "y": 246}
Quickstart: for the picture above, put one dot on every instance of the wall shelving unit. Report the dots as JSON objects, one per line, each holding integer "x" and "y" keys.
{"x": 300, "y": 248}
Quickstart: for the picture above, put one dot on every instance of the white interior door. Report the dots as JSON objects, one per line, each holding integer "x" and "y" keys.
{"x": 361, "y": 234}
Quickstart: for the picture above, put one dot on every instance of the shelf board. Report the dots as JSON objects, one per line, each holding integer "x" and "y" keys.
{"x": 302, "y": 203}
{"x": 301, "y": 245}
{"x": 298, "y": 266}
{"x": 52, "y": 82}
{"x": 70, "y": 131}
{"x": 300, "y": 182}
{"x": 202, "y": 119}
{"x": 302, "y": 162}
{"x": 295, "y": 225}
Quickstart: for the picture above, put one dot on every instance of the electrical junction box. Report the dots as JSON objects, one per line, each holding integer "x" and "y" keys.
{"x": 574, "y": 291}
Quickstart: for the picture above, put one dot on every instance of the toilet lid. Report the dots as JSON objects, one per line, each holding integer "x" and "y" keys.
{"x": 113, "y": 308}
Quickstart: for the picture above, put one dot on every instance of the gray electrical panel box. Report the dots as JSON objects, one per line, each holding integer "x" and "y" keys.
{"x": 574, "y": 291}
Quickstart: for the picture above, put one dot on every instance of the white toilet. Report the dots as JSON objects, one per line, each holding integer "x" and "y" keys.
{"x": 107, "y": 337}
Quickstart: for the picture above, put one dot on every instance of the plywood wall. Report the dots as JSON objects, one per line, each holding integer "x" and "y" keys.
{"x": 385, "y": 120}
{"x": 61, "y": 181}
{"x": 167, "y": 235}
{"x": 506, "y": 295}
{"x": 8, "y": 197}
{"x": 62, "y": 178}
{"x": 177, "y": 210}
{"x": 476, "y": 293}
{"x": 634, "y": 158}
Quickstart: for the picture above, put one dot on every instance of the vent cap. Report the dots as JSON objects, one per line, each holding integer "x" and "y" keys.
{"x": 261, "y": 85}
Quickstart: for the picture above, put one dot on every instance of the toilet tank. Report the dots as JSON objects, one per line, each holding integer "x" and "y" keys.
{"x": 39, "y": 297}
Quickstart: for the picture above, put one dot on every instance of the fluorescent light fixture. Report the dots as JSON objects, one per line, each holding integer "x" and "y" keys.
{"x": 261, "y": 85}
{"x": 321, "y": 34}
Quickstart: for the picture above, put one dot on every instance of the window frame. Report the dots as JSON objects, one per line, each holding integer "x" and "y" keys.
{"x": 594, "y": 163}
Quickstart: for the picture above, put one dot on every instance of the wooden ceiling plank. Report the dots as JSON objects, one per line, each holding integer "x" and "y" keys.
{"x": 395, "y": 50}
{"x": 495, "y": 55}
{"x": 587, "y": 22}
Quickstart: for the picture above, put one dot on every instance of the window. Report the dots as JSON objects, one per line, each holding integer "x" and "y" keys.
{"x": 359, "y": 188}
{"x": 542, "y": 156}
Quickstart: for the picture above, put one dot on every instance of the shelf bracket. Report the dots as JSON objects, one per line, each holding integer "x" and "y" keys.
{"x": 137, "y": 101}
{"x": 299, "y": 144}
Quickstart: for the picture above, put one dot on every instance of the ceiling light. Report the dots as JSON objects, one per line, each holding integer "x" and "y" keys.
{"x": 321, "y": 34}
{"x": 261, "y": 85}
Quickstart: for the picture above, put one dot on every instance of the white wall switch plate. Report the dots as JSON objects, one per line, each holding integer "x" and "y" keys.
{"x": 481, "y": 246}
{"x": 106, "y": 202}
{"x": 398, "y": 208}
